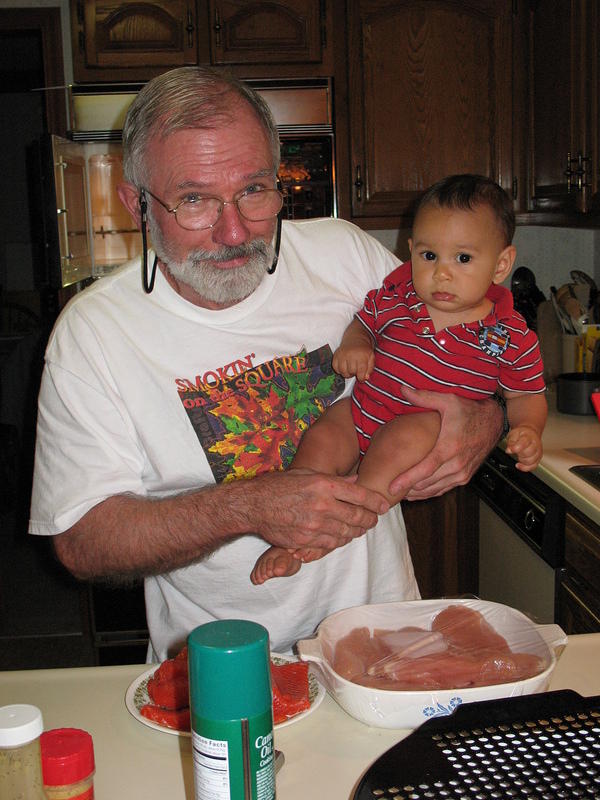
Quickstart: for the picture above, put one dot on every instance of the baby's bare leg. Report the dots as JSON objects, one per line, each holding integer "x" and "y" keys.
{"x": 396, "y": 446}
{"x": 330, "y": 445}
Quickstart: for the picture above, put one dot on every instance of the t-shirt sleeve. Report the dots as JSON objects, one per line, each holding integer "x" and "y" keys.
{"x": 525, "y": 373}
{"x": 85, "y": 450}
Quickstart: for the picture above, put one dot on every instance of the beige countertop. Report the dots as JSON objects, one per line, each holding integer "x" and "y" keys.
{"x": 326, "y": 753}
{"x": 569, "y": 440}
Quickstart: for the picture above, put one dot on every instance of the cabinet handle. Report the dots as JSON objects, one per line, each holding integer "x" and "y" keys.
{"x": 358, "y": 183}
{"x": 578, "y": 173}
{"x": 189, "y": 28}
{"x": 217, "y": 28}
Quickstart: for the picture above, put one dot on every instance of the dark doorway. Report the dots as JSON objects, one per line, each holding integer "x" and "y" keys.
{"x": 40, "y": 617}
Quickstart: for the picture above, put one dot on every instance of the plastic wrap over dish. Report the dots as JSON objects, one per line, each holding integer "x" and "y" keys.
{"x": 395, "y": 665}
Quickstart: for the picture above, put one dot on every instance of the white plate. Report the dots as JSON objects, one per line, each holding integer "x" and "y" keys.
{"x": 137, "y": 696}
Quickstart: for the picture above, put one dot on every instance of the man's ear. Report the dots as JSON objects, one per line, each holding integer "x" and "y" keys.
{"x": 504, "y": 264}
{"x": 130, "y": 197}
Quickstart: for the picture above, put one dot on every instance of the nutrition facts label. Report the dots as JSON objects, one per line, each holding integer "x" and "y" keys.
{"x": 211, "y": 768}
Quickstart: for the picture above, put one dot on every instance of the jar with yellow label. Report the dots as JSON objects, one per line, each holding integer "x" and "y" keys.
{"x": 68, "y": 764}
{"x": 20, "y": 764}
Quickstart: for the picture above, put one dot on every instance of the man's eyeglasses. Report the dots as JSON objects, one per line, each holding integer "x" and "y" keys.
{"x": 203, "y": 212}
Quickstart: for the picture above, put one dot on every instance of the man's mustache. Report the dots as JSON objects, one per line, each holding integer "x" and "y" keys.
{"x": 229, "y": 252}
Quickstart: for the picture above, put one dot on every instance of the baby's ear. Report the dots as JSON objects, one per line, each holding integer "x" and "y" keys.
{"x": 504, "y": 264}
{"x": 410, "y": 246}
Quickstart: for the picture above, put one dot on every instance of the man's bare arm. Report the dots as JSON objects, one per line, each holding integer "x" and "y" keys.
{"x": 128, "y": 536}
{"x": 469, "y": 430}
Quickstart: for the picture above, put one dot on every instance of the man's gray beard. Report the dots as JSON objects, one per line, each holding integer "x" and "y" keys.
{"x": 217, "y": 284}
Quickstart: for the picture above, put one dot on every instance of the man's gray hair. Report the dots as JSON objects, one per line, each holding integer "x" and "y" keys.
{"x": 186, "y": 98}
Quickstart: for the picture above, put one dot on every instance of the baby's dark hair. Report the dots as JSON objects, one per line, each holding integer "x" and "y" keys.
{"x": 468, "y": 191}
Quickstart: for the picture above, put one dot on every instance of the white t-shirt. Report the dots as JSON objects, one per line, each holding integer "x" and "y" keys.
{"x": 152, "y": 395}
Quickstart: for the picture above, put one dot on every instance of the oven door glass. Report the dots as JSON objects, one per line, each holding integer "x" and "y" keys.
{"x": 307, "y": 175}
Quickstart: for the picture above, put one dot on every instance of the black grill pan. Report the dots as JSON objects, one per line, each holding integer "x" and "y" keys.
{"x": 544, "y": 746}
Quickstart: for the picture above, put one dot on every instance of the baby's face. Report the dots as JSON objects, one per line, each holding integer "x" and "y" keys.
{"x": 456, "y": 255}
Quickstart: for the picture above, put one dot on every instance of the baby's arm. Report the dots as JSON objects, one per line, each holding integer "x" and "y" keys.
{"x": 355, "y": 355}
{"x": 527, "y": 416}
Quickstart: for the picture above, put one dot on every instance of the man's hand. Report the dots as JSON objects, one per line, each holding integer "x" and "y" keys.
{"x": 469, "y": 430}
{"x": 299, "y": 508}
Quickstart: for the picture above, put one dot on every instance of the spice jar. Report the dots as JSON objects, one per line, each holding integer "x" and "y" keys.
{"x": 20, "y": 764}
{"x": 68, "y": 764}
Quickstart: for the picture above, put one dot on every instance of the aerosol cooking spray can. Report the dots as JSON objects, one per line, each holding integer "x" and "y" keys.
{"x": 232, "y": 711}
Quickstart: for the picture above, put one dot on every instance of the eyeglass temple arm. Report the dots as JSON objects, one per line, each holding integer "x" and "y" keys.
{"x": 147, "y": 284}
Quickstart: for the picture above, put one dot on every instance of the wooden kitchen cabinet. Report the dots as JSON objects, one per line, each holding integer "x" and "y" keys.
{"x": 563, "y": 146}
{"x": 429, "y": 94}
{"x": 579, "y": 589}
{"x": 280, "y": 32}
{"x": 117, "y": 41}
{"x": 443, "y": 540}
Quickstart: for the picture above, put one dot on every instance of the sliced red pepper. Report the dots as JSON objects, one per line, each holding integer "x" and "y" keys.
{"x": 172, "y": 693}
{"x": 178, "y": 719}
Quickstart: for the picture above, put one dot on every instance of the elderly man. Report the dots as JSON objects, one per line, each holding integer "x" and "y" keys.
{"x": 156, "y": 407}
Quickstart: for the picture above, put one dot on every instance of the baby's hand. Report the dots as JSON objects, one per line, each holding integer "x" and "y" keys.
{"x": 356, "y": 360}
{"x": 526, "y": 444}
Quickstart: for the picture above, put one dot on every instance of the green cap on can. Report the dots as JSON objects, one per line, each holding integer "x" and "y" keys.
{"x": 229, "y": 669}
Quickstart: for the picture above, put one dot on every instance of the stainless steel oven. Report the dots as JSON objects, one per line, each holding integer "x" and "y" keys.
{"x": 521, "y": 538}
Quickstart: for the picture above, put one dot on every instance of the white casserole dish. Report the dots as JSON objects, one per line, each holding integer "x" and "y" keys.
{"x": 384, "y": 708}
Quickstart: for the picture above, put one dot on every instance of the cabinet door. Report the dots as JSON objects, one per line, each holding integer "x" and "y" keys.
{"x": 429, "y": 95}
{"x": 116, "y": 41}
{"x": 255, "y": 32}
{"x": 563, "y": 128}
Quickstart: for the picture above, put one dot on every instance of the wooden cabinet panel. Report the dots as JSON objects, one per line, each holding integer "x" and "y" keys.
{"x": 119, "y": 41}
{"x": 443, "y": 540}
{"x": 430, "y": 94}
{"x": 278, "y": 32}
{"x": 563, "y": 89}
{"x": 579, "y": 592}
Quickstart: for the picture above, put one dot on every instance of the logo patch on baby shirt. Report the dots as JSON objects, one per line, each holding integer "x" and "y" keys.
{"x": 494, "y": 339}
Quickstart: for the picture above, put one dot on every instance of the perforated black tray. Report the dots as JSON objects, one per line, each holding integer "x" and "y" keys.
{"x": 544, "y": 746}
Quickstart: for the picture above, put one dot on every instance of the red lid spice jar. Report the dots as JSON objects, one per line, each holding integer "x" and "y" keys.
{"x": 68, "y": 764}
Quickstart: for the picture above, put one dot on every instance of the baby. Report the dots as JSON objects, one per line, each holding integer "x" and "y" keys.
{"x": 440, "y": 322}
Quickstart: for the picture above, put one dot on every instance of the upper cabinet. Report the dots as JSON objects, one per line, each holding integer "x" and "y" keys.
{"x": 430, "y": 94}
{"x": 287, "y": 31}
{"x": 117, "y": 41}
{"x": 563, "y": 153}
{"x": 132, "y": 41}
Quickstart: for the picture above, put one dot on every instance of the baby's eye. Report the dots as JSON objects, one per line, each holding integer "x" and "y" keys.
{"x": 428, "y": 255}
{"x": 463, "y": 258}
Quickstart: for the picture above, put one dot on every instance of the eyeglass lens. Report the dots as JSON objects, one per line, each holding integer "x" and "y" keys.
{"x": 255, "y": 207}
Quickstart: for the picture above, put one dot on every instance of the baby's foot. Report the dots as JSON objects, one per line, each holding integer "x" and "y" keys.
{"x": 274, "y": 563}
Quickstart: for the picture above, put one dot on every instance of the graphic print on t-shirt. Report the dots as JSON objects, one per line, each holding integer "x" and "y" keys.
{"x": 252, "y": 422}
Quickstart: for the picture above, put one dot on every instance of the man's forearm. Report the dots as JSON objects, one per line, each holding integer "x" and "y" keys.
{"x": 128, "y": 536}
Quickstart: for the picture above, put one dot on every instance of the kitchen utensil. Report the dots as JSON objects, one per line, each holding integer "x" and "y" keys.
{"x": 573, "y": 392}
{"x": 383, "y": 708}
{"x": 563, "y": 317}
{"x": 540, "y": 746}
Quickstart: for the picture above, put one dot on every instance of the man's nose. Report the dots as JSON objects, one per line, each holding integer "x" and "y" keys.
{"x": 230, "y": 228}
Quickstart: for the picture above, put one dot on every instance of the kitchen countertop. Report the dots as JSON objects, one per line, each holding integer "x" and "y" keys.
{"x": 569, "y": 440}
{"x": 326, "y": 753}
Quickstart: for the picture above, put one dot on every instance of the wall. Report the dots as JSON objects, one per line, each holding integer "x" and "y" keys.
{"x": 65, "y": 24}
{"x": 549, "y": 252}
